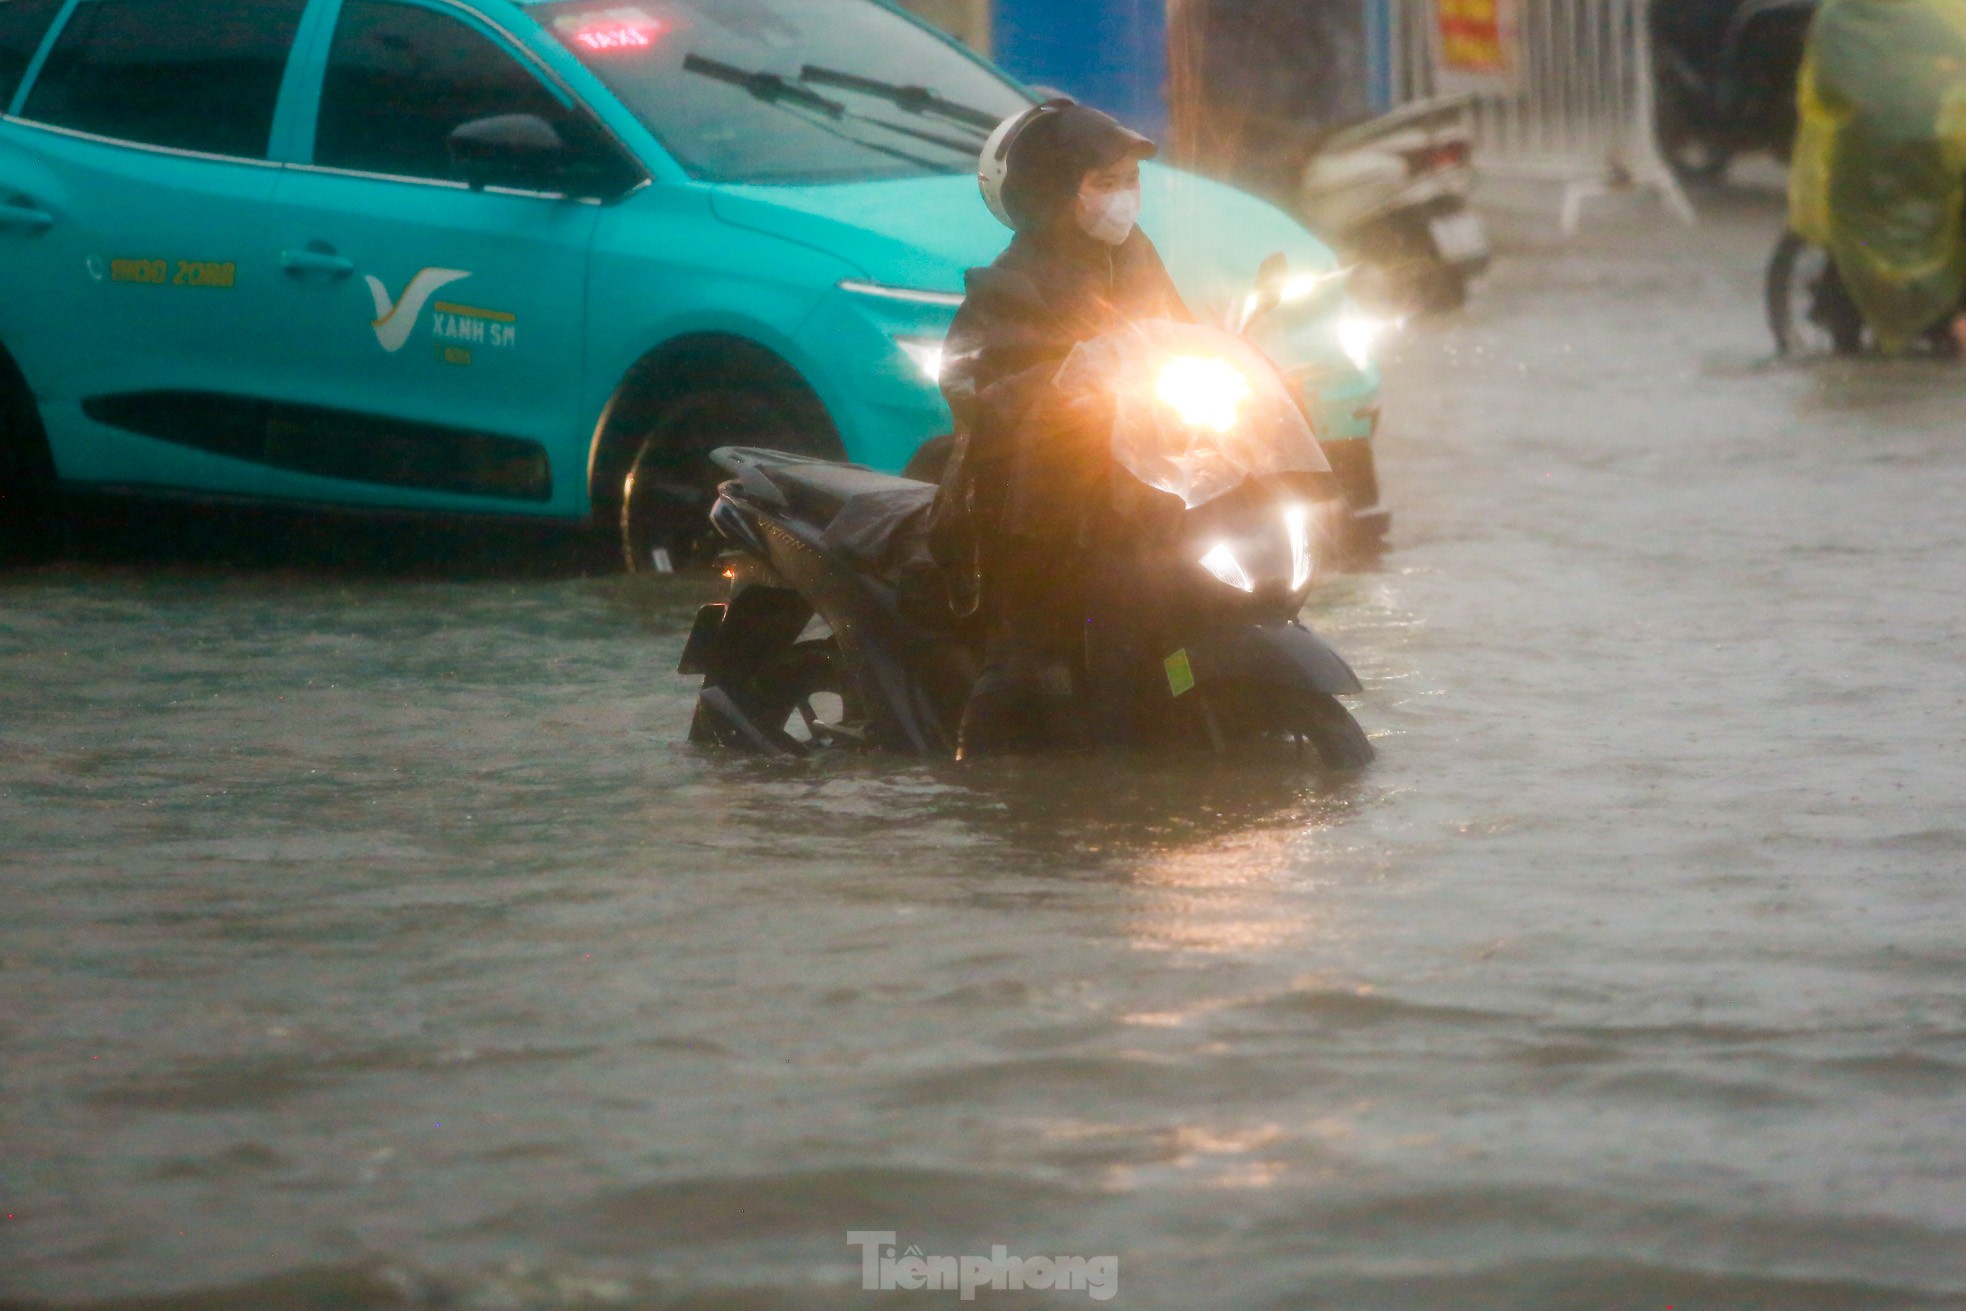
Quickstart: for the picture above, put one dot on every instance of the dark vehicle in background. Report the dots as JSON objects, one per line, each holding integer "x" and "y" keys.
{"x": 1725, "y": 74}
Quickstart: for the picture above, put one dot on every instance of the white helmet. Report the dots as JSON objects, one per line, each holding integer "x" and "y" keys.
{"x": 994, "y": 166}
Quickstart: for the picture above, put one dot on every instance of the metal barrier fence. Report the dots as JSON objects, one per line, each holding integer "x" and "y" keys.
{"x": 1580, "y": 110}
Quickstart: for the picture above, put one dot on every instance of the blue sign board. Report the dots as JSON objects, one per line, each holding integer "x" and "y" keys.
{"x": 1111, "y": 54}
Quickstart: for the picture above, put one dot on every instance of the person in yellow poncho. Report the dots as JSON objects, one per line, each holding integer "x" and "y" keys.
{"x": 1879, "y": 173}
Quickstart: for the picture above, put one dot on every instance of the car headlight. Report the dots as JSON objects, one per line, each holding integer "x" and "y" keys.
{"x": 1360, "y": 334}
{"x": 905, "y": 295}
{"x": 925, "y": 353}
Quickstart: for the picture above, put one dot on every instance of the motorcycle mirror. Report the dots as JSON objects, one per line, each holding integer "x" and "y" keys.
{"x": 1273, "y": 272}
{"x": 1271, "y": 275}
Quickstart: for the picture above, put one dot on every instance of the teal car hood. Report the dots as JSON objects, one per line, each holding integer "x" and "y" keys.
{"x": 922, "y": 233}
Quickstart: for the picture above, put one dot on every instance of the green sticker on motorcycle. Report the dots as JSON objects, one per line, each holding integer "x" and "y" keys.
{"x": 1180, "y": 674}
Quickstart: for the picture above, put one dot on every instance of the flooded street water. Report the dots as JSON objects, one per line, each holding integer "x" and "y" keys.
{"x": 376, "y": 941}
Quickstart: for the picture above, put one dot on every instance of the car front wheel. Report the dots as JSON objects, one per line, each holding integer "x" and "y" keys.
{"x": 669, "y": 484}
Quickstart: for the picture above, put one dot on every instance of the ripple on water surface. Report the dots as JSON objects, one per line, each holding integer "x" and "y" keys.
{"x": 373, "y": 940}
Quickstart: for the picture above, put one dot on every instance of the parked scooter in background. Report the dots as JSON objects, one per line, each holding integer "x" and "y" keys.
{"x": 1274, "y": 96}
{"x": 1725, "y": 72}
{"x": 1390, "y": 195}
{"x": 1393, "y": 195}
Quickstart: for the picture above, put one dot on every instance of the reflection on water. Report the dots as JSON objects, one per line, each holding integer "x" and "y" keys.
{"x": 1203, "y": 842}
{"x": 1221, "y": 895}
{"x": 373, "y": 938}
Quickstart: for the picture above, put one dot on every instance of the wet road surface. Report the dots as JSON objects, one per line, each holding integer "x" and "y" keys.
{"x": 374, "y": 941}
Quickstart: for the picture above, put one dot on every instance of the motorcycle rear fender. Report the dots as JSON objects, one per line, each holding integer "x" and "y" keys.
{"x": 758, "y": 619}
{"x": 754, "y": 625}
{"x": 794, "y": 575}
{"x": 699, "y": 653}
{"x": 1273, "y": 655}
{"x": 883, "y": 649}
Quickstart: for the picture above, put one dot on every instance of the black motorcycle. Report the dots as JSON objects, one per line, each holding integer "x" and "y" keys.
{"x": 1190, "y": 594}
{"x": 1725, "y": 75}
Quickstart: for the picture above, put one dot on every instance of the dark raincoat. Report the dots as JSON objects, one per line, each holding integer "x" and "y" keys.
{"x": 1025, "y": 470}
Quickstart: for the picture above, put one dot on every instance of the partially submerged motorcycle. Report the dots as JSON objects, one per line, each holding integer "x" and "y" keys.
{"x": 1809, "y": 308}
{"x": 1811, "y": 311}
{"x": 1395, "y": 193}
{"x": 1222, "y": 502}
{"x": 1873, "y": 255}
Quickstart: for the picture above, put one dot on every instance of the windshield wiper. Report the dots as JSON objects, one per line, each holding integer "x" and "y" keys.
{"x": 795, "y": 99}
{"x": 786, "y": 94}
{"x": 909, "y": 99}
{"x": 768, "y": 87}
{"x": 966, "y": 149}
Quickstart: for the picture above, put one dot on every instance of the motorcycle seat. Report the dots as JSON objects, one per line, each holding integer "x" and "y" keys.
{"x": 818, "y": 491}
{"x": 875, "y": 521}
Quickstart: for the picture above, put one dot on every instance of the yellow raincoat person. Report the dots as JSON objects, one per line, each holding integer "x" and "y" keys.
{"x": 1879, "y": 174}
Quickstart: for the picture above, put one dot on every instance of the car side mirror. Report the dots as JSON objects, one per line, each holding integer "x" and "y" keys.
{"x": 509, "y": 150}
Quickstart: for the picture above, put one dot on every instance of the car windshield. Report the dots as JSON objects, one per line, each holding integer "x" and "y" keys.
{"x": 789, "y": 91}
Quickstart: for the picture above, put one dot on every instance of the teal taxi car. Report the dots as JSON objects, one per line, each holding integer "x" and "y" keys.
{"x": 499, "y": 257}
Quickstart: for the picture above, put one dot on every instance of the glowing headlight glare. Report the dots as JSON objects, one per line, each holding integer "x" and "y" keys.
{"x": 1221, "y": 561}
{"x": 1306, "y": 285}
{"x": 1303, "y": 553}
{"x": 1357, "y": 335}
{"x": 1247, "y": 311}
{"x": 1206, "y": 393}
{"x": 926, "y": 354}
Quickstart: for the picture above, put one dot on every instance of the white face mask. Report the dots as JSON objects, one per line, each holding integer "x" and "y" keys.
{"x": 1111, "y": 218}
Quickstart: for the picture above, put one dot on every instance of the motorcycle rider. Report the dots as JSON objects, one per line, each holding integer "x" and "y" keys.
{"x": 1879, "y": 174}
{"x": 1010, "y": 516}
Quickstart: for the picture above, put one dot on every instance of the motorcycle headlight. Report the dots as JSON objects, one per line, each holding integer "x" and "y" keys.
{"x": 1266, "y": 555}
{"x": 1303, "y": 548}
{"x": 1206, "y": 393}
{"x": 1222, "y": 562}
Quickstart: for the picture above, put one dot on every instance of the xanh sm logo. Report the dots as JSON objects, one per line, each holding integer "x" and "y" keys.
{"x": 396, "y": 319}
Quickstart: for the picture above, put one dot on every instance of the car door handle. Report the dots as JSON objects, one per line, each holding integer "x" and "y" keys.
{"x": 326, "y": 262}
{"x": 20, "y": 214}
